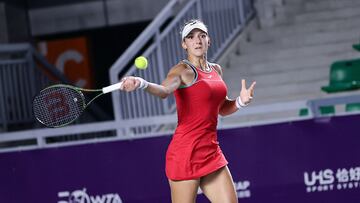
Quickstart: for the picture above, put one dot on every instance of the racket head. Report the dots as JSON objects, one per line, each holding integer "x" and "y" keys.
{"x": 58, "y": 105}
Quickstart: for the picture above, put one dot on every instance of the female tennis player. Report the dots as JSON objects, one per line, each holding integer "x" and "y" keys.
{"x": 194, "y": 158}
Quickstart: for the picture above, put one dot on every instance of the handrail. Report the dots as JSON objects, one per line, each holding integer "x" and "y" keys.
{"x": 48, "y": 66}
{"x": 11, "y": 48}
{"x": 315, "y": 104}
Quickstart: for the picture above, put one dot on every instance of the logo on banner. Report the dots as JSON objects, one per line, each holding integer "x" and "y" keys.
{"x": 242, "y": 189}
{"x": 81, "y": 196}
{"x": 327, "y": 180}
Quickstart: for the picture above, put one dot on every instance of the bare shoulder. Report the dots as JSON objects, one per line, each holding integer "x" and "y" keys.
{"x": 178, "y": 69}
{"x": 182, "y": 71}
{"x": 177, "y": 72}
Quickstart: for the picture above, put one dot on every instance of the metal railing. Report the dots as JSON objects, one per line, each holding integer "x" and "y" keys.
{"x": 19, "y": 82}
{"x": 225, "y": 19}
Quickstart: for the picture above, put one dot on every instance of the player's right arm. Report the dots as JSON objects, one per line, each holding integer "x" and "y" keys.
{"x": 172, "y": 81}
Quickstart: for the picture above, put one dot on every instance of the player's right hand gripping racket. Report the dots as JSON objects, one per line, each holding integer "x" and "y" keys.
{"x": 59, "y": 105}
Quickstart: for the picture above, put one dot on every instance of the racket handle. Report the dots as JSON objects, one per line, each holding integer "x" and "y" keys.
{"x": 112, "y": 87}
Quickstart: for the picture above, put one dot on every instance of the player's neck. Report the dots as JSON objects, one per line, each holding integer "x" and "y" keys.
{"x": 199, "y": 62}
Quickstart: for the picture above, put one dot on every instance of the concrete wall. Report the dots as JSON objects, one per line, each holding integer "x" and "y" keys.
{"x": 94, "y": 14}
{"x": 13, "y": 23}
{"x": 18, "y": 24}
{"x": 3, "y": 26}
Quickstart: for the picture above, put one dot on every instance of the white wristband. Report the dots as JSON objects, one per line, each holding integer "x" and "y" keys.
{"x": 239, "y": 103}
{"x": 143, "y": 83}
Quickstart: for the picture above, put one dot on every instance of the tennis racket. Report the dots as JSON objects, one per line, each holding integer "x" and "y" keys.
{"x": 59, "y": 105}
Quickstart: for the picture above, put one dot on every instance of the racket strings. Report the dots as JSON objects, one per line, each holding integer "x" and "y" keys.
{"x": 58, "y": 106}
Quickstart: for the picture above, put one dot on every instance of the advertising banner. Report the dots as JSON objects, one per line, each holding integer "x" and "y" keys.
{"x": 71, "y": 57}
{"x": 310, "y": 161}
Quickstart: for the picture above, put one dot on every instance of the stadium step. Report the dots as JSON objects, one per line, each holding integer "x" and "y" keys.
{"x": 281, "y": 78}
{"x": 289, "y": 63}
{"x": 330, "y": 5}
{"x": 263, "y": 53}
{"x": 347, "y": 12}
{"x": 304, "y": 39}
{"x": 309, "y": 27}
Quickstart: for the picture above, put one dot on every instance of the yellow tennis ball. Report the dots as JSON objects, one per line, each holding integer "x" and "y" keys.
{"x": 141, "y": 62}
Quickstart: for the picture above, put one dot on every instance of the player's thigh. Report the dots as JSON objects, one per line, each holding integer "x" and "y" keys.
{"x": 184, "y": 191}
{"x": 218, "y": 186}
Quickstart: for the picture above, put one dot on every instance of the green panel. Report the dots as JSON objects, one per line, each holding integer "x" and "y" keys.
{"x": 304, "y": 112}
{"x": 356, "y": 47}
{"x": 326, "y": 110}
{"x": 352, "y": 107}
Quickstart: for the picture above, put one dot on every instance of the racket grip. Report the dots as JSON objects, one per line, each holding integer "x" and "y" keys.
{"x": 111, "y": 88}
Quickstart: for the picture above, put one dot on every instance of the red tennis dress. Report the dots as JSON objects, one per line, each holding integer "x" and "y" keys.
{"x": 194, "y": 150}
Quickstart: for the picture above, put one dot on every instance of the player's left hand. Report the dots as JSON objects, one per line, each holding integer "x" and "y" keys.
{"x": 246, "y": 95}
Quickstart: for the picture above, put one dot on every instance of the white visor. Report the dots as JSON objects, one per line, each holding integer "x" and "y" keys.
{"x": 189, "y": 27}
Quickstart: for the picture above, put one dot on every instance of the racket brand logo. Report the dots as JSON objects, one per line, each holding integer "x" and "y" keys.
{"x": 56, "y": 105}
{"x": 81, "y": 196}
{"x": 327, "y": 180}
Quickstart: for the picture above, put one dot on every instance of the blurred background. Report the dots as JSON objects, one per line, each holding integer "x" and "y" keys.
{"x": 296, "y": 142}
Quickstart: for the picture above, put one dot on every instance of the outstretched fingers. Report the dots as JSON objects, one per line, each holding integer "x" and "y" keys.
{"x": 243, "y": 84}
{"x": 251, "y": 88}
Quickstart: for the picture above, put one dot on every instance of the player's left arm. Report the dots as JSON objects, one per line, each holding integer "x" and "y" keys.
{"x": 230, "y": 106}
